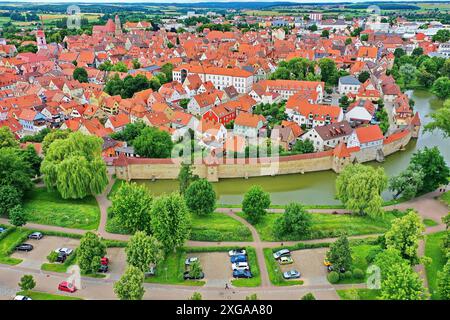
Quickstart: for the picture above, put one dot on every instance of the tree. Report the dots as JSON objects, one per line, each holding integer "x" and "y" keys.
{"x": 170, "y": 221}
{"x": 385, "y": 259}
{"x": 130, "y": 286}
{"x": 195, "y": 269}
{"x": 130, "y": 132}
{"x": 303, "y": 146}
{"x": 295, "y": 222}
{"x": 167, "y": 69}
{"x": 344, "y": 102}
{"x": 442, "y": 36}
{"x": 363, "y": 76}
{"x": 27, "y": 48}
{"x": 153, "y": 143}
{"x": 14, "y": 170}
{"x": 90, "y": 252}
{"x": 253, "y": 296}
{"x": 186, "y": 177}
{"x": 407, "y": 183}
{"x": 30, "y": 156}
{"x": 80, "y": 74}
{"x": 255, "y": 203}
{"x": 313, "y": 28}
{"x": 17, "y": 217}
{"x": 74, "y": 166}
{"x": 407, "y": 73}
{"x": 433, "y": 165}
{"x": 404, "y": 235}
{"x": 399, "y": 52}
{"x": 27, "y": 283}
{"x": 52, "y": 136}
{"x": 143, "y": 250}
{"x": 441, "y": 87}
{"x": 417, "y": 52}
{"x": 441, "y": 120}
{"x": 196, "y": 296}
{"x": 364, "y": 37}
{"x": 119, "y": 67}
{"x": 348, "y": 41}
{"x": 339, "y": 254}
{"x": 136, "y": 64}
{"x": 200, "y": 197}
{"x": 443, "y": 282}
{"x": 359, "y": 188}
{"x": 402, "y": 283}
{"x": 328, "y": 71}
{"x": 9, "y": 198}
{"x": 325, "y": 34}
{"x": 7, "y": 139}
{"x": 131, "y": 205}
{"x": 308, "y": 296}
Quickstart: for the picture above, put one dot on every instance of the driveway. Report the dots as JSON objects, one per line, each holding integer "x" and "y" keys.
{"x": 216, "y": 266}
{"x": 35, "y": 258}
{"x": 117, "y": 263}
{"x": 310, "y": 264}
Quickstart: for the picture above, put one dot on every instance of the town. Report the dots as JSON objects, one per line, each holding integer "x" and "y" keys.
{"x": 255, "y": 151}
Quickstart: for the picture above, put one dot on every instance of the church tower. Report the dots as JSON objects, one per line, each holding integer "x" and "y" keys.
{"x": 40, "y": 37}
{"x": 118, "y": 26}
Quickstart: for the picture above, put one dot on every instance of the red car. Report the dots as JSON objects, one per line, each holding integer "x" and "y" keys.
{"x": 104, "y": 261}
{"x": 67, "y": 286}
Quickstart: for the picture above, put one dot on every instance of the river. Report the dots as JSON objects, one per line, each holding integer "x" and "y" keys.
{"x": 319, "y": 187}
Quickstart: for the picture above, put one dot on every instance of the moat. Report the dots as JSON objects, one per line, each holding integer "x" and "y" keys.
{"x": 318, "y": 187}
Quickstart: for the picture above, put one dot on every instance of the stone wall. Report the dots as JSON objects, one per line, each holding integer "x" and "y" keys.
{"x": 149, "y": 169}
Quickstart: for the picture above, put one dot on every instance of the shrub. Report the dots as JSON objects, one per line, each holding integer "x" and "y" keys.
{"x": 371, "y": 255}
{"x": 358, "y": 274}
{"x": 52, "y": 257}
{"x": 348, "y": 274}
{"x": 333, "y": 277}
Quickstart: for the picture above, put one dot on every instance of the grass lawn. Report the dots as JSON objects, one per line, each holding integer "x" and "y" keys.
{"x": 170, "y": 271}
{"x": 327, "y": 226}
{"x": 8, "y": 243}
{"x": 36, "y": 295}
{"x": 359, "y": 254}
{"x": 218, "y": 227}
{"x": 274, "y": 271}
{"x": 358, "y": 294}
{"x": 433, "y": 250}
{"x": 115, "y": 187}
{"x": 429, "y": 223}
{"x": 214, "y": 227}
{"x": 47, "y": 207}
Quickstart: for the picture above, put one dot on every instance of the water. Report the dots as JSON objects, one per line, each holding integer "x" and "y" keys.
{"x": 319, "y": 187}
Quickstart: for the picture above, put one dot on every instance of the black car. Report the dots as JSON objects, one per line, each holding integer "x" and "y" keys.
{"x": 330, "y": 268}
{"x": 24, "y": 247}
{"x": 61, "y": 257}
{"x": 103, "y": 268}
{"x": 35, "y": 235}
{"x": 187, "y": 276}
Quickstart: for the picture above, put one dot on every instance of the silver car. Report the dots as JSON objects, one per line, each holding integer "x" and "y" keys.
{"x": 291, "y": 274}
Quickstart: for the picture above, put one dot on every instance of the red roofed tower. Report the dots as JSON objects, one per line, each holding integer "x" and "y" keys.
{"x": 40, "y": 37}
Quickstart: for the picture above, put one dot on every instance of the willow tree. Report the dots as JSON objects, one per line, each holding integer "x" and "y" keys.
{"x": 74, "y": 166}
{"x": 359, "y": 188}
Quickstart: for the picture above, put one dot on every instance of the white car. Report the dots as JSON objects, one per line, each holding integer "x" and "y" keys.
{"x": 22, "y": 298}
{"x": 240, "y": 266}
{"x": 237, "y": 252}
{"x": 190, "y": 261}
{"x": 67, "y": 251}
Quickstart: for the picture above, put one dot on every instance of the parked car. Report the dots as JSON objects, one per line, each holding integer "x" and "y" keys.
{"x": 67, "y": 287}
{"x": 237, "y": 252}
{"x": 190, "y": 260}
{"x": 67, "y": 251}
{"x": 151, "y": 272}
{"x": 283, "y": 252}
{"x": 22, "y": 298}
{"x": 331, "y": 268}
{"x": 240, "y": 266}
{"x": 61, "y": 257}
{"x": 103, "y": 268}
{"x": 2, "y": 230}
{"x": 326, "y": 263}
{"x": 104, "y": 261}
{"x": 36, "y": 236}
{"x": 239, "y": 258}
{"x": 187, "y": 276}
{"x": 291, "y": 274}
{"x": 242, "y": 274}
{"x": 24, "y": 247}
{"x": 286, "y": 260}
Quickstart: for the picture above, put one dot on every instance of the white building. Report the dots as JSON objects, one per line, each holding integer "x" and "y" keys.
{"x": 348, "y": 84}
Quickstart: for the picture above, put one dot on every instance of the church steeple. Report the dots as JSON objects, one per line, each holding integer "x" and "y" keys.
{"x": 118, "y": 30}
{"x": 40, "y": 37}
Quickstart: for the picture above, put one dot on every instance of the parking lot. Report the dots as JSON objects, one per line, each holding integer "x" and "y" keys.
{"x": 117, "y": 262}
{"x": 310, "y": 264}
{"x": 216, "y": 266}
{"x": 36, "y": 257}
